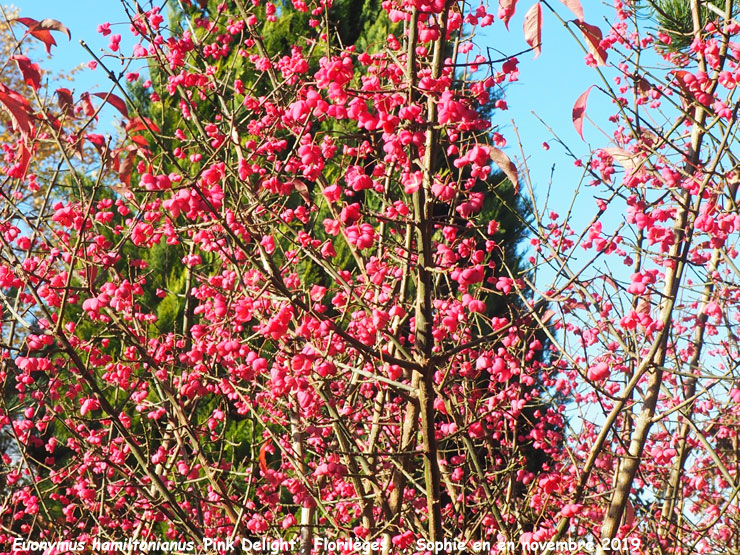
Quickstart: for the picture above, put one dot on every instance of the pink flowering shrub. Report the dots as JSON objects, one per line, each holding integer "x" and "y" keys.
{"x": 281, "y": 303}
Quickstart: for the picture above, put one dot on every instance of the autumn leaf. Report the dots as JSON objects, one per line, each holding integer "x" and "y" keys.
{"x": 19, "y": 109}
{"x": 137, "y": 124}
{"x": 116, "y": 101}
{"x": 65, "y": 100}
{"x": 31, "y": 72}
{"x": 506, "y": 9}
{"x": 533, "y": 28}
{"x": 579, "y": 111}
{"x": 127, "y": 166}
{"x": 575, "y": 7}
{"x": 52, "y": 25}
{"x": 42, "y": 30}
{"x": 506, "y": 165}
{"x": 643, "y": 86}
{"x": 302, "y": 190}
{"x": 548, "y": 315}
{"x": 643, "y": 306}
{"x": 87, "y": 105}
{"x": 687, "y": 96}
{"x": 593, "y": 37}
{"x": 96, "y": 139}
{"x": 22, "y": 159}
{"x": 262, "y": 457}
{"x": 91, "y": 273}
{"x": 77, "y": 145}
{"x": 627, "y": 160}
{"x": 139, "y": 140}
{"x": 101, "y": 146}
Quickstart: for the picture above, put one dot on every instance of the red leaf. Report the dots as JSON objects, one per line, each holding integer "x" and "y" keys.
{"x": 87, "y": 105}
{"x": 547, "y": 316}
{"x": 27, "y": 21}
{"x": 262, "y": 457}
{"x": 41, "y": 30}
{"x": 533, "y": 28}
{"x": 19, "y": 110}
{"x": 25, "y": 158}
{"x": 115, "y": 159}
{"x": 31, "y": 72}
{"x": 101, "y": 145}
{"x": 140, "y": 140}
{"x": 65, "y": 101}
{"x": 41, "y": 34}
{"x": 78, "y": 145}
{"x": 643, "y": 306}
{"x": 629, "y": 514}
{"x": 506, "y": 9}
{"x": 303, "y": 191}
{"x": 124, "y": 171}
{"x": 22, "y": 159}
{"x": 575, "y": 7}
{"x": 55, "y": 123}
{"x": 506, "y": 165}
{"x": 593, "y": 37}
{"x": 53, "y": 25}
{"x": 96, "y": 139}
{"x": 579, "y": 111}
{"x": 137, "y": 124}
{"x": 115, "y": 101}
{"x": 91, "y": 272}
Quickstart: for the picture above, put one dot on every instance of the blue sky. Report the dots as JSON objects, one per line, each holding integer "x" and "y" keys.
{"x": 549, "y": 85}
{"x": 82, "y": 18}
